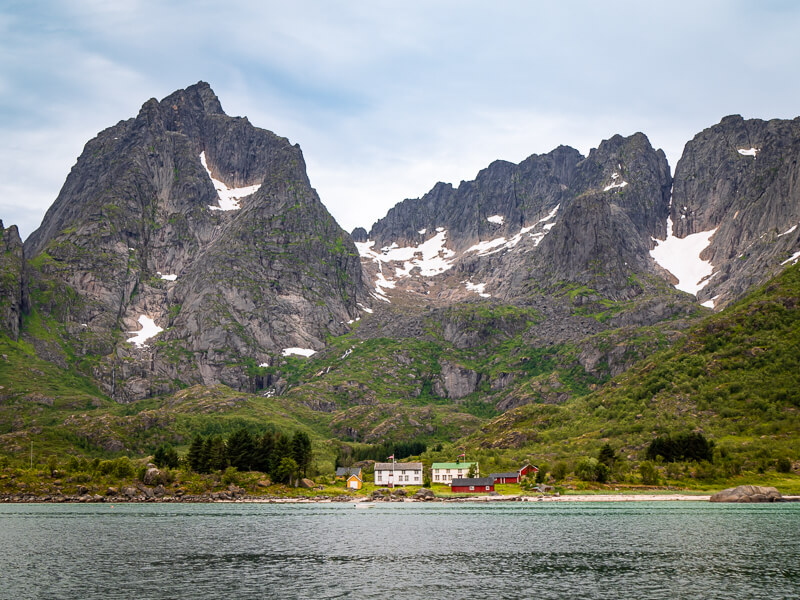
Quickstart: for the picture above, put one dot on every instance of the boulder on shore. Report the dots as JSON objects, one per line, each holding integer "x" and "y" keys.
{"x": 424, "y": 494}
{"x": 748, "y": 493}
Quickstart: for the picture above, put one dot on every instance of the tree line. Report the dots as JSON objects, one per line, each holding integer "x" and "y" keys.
{"x": 378, "y": 452}
{"x": 683, "y": 446}
{"x": 281, "y": 456}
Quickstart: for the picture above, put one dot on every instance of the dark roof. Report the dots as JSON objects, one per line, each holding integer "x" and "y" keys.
{"x": 499, "y": 475}
{"x": 409, "y": 466}
{"x": 347, "y": 471}
{"x": 473, "y": 481}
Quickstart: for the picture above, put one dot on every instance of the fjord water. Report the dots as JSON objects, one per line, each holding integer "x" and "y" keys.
{"x": 453, "y": 551}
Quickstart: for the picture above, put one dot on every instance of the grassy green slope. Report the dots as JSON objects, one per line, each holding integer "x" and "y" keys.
{"x": 734, "y": 377}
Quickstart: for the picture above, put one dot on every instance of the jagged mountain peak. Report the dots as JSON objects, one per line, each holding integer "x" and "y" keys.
{"x": 191, "y": 223}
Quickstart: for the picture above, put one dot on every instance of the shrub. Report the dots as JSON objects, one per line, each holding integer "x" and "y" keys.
{"x": 230, "y": 476}
{"x": 559, "y": 471}
{"x": 541, "y": 475}
{"x": 649, "y": 473}
{"x": 591, "y": 469}
{"x": 784, "y": 465}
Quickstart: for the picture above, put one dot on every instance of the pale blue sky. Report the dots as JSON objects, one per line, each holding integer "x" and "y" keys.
{"x": 387, "y": 98}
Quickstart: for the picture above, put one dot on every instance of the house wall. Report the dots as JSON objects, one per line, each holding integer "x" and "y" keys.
{"x": 479, "y": 489}
{"x": 447, "y": 475}
{"x": 401, "y": 477}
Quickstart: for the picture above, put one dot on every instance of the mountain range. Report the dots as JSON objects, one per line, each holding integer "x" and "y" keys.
{"x": 187, "y": 252}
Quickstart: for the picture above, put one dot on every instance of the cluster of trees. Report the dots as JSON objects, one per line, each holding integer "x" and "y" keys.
{"x": 379, "y": 452}
{"x": 597, "y": 469}
{"x": 682, "y": 447}
{"x": 281, "y": 456}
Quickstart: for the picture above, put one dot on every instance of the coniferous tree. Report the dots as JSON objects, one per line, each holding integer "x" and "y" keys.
{"x": 205, "y": 457}
{"x": 166, "y": 457}
{"x": 283, "y": 449}
{"x": 195, "y": 454}
{"x": 301, "y": 451}
{"x": 241, "y": 450}
{"x": 607, "y": 456}
{"x": 263, "y": 452}
{"x": 217, "y": 455}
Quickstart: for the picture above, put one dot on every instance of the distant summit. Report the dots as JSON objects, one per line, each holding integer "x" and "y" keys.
{"x": 186, "y": 245}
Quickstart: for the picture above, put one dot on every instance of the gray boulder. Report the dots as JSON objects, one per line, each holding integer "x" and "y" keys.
{"x": 424, "y": 494}
{"x": 748, "y": 493}
{"x": 151, "y": 476}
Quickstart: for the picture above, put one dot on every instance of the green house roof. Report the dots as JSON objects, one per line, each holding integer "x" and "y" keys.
{"x": 461, "y": 465}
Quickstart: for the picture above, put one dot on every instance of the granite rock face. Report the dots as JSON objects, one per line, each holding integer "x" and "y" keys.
{"x": 14, "y": 301}
{"x": 740, "y": 179}
{"x": 137, "y": 231}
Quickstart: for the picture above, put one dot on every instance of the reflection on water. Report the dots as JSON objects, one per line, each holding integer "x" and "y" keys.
{"x": 453, "y": 551}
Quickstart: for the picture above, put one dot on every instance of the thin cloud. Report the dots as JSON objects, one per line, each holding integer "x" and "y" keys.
{"x": 384, "y": 98}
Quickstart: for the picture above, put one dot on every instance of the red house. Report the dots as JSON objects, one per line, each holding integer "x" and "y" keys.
{"x": 514, "y": 476}
{"x": 511, "y": 477}
{"x": 474, "y": 485}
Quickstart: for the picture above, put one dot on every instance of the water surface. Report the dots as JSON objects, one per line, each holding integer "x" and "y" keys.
{"x": 453, "y": 551}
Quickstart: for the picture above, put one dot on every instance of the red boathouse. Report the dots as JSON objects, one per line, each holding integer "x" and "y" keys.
{"x": 474, "y": 485}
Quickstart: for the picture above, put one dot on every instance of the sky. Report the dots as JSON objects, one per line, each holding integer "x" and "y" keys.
{"x": 388, "y": 98}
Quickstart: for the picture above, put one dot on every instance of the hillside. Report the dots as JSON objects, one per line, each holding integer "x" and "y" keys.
{"x": 188, "y": 280}
{"x": 734, "y": 377}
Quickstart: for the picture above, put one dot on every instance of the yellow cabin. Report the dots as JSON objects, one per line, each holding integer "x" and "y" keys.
{"x": 354, "y": 482}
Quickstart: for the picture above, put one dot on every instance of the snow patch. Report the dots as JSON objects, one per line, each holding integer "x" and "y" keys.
{"x": 166, "y": 277}
{"x": 501, "y": 243}
{"x": 681, "y": 257}
{"x": 614, "y": 177}
{"x": 496, "y": 219}
{"x": 430, "y": 257}
{"x": 149, "y": 329}
{"x": 788, "y": 231}
{"x": 479, "y": 288}
{"x": 422, "y": 231}
{"x": 264, "y": 365}
{"x": 228, "y": 197}
{"x": 749, "y": 151}
{"x": 298, "y": 351}
{"x": 710, "y": 303}
{"x": 792, "y": 259}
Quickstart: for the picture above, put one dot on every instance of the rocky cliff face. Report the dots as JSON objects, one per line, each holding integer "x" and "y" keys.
{"x": 553, "y": 219}
{"x": 738, "y": 182}
{"x": 198, "y": 224}
{"x": 13, "y": 282}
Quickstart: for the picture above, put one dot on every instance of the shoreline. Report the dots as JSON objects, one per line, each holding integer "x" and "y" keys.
{"x": 365, "y": 500}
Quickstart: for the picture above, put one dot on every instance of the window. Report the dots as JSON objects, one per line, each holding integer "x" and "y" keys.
{"x": 471, "y": 488}
{"x": 487, "y": 488}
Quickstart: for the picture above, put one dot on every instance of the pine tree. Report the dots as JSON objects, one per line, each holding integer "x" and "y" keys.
{"x": 301, "y": 451}
{"x": 283, "y": 449}
{"x": 195, "y": 455}
{"x": 607, "y": 456}
{"x": 217, "y": 456}
{"x": 263, "y": 452}
{"x": 165, "y": 457}
{"x": 241, "y": 450}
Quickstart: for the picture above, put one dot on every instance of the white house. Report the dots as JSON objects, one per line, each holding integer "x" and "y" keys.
{"x": 391, "y": 474}
{"x": 446, "y": 472}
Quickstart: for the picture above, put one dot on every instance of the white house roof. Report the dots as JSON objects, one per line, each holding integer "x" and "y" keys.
{"x": 410, "y": 466}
